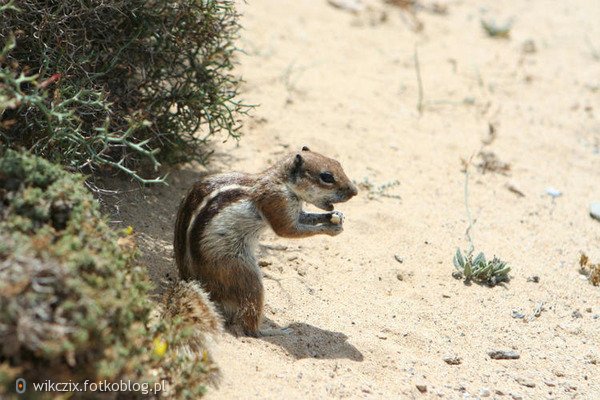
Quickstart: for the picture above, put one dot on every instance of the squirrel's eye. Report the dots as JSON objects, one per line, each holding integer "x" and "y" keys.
{"x": 327, "y": 177}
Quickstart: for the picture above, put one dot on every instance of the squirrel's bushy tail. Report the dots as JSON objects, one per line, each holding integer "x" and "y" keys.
{"x": 188, "y": 304}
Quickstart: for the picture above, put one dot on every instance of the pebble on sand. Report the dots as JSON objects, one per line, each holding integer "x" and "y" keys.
{"x": 525, "y": 382}
{"x": 503, "y": 355}
{"x": 348, "y": 5}
{"x": 452, "y": 360}
{"x": 595, "y": 210}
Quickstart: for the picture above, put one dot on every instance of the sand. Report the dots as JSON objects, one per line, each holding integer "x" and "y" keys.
{"x": 365, "y": 324}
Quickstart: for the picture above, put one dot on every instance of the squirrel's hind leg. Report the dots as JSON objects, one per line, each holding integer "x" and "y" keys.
{"x": 241, "y": 296}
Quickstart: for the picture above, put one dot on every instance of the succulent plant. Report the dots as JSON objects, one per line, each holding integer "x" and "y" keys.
{"x": 478, "y": 269}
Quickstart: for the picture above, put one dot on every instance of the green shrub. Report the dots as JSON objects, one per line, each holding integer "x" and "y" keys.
{"x": 117, "y": 84}
{"x": 74, "y": 305}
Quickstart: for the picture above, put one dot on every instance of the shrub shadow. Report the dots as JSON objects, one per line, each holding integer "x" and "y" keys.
{"x": 151, "y": 211}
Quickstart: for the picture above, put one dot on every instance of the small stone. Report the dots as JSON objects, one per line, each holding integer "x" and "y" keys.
{"x": 553, "y": 192}
{"x": 399, "y": 276}
{"x": 452, "y": 360}
{"x": 576, "y": 314}
{"x": 398, "y": 258}
{"x": 511, "y": 187}
{"x": 503, "y": 355}
{"x": 550, "y": 383}
{"x": 484, "y": 392}
{"x": 517, "y": 314}
{"x": 459, "y": 275}
{"x": 421, "y": 387}
{"x": 595, "y": 210}
{"x": 588, "y": 309}
{"x": 534, "y": 279}
{"x": 353, "y": 6}
{"x": 264, "y": 263}
{"x": 525, "y": 382}
{"x": 516, "y": 396}
{"x": 302, "y": 270}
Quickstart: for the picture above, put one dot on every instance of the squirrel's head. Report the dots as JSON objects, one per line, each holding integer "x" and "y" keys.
{"x": 319, "y": 180}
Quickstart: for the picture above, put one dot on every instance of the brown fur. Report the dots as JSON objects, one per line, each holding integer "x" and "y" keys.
{"x": 189, "y": 301}
{"x": 272, "y": 198}
{"x": 188, "y": 204}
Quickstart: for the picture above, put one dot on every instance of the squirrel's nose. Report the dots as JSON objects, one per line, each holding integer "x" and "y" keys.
{"x": 352, "y": 190}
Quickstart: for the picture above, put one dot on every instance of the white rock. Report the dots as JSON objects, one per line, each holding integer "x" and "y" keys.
{"x": 348, "y": 5}
{"x": 595, "y": 210}
{"x": 553, "y": 192}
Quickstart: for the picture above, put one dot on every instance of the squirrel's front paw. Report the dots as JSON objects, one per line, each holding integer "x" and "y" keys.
{"x": 333, "y": 229}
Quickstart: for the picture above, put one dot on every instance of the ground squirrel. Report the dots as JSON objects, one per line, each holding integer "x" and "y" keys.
{"x": 222, "y": 215}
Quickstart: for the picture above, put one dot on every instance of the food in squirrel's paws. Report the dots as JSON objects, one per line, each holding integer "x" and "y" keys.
{"x": 336, "y": 219}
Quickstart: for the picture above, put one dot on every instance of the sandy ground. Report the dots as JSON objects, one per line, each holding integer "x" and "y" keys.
{"x": 366, "y": 325}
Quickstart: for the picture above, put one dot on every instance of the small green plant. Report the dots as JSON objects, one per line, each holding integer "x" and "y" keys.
{"x": 477, "y": 269}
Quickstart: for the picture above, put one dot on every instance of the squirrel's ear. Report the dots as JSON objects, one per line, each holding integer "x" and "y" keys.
{"x": 305, "y": 148}
{"x": 298, "y": 161}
